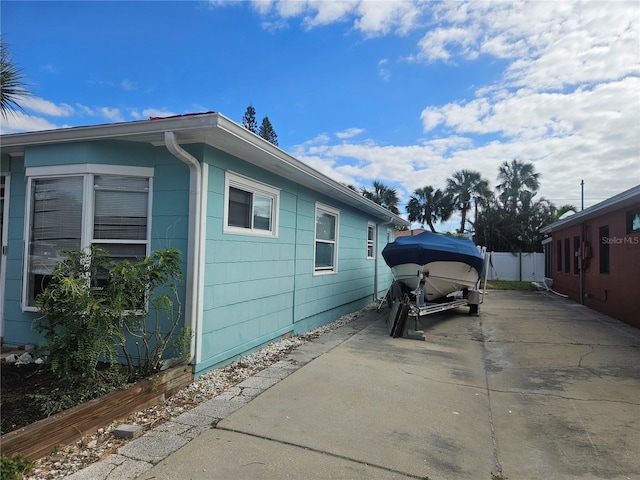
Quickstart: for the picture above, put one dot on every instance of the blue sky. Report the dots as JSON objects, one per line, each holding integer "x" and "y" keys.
{"x": 402, "y": 92}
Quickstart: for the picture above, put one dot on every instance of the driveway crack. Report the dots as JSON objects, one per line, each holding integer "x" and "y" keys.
{"x": 482, "y": 339}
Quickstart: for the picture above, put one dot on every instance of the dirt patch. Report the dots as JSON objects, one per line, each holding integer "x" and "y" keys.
{"x": 31, "y": 392}
{"x": 20, "y": 383}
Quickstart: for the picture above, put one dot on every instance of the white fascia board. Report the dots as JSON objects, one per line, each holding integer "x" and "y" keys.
{"x": 17, "y": 141}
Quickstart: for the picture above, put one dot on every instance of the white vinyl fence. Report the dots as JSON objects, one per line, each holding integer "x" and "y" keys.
{"x": 525, "y": 267}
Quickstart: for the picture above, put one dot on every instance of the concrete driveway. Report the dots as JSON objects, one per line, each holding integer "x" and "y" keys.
{"x": 536, "y": 387}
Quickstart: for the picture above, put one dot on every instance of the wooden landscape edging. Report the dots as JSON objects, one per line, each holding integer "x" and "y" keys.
{"x": 37, "y": 440}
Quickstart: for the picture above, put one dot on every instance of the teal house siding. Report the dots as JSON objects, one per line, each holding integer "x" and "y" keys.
{"x": 168, "y": 219}
{"x": 249, "y": 281}
{"x": 242, "y": 289}
{"x": 15, "y": 324}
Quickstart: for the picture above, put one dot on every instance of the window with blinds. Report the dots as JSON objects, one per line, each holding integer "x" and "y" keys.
{"x": 56, "y": 225}
{"x": 120, "y": 215}
{"x": 115, "y": 209}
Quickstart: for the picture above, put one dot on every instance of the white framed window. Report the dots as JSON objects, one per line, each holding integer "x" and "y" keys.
{"x": 389, "y": 236}
{"x": 250, "y": 207}
{"x": 325, "y": 255}
{"x": 76, "y": 206}
{"x": 371, "y": 240}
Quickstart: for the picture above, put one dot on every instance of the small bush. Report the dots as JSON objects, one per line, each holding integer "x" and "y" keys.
{"x": 15, "y": 468}
{"x": 94, "y": 306}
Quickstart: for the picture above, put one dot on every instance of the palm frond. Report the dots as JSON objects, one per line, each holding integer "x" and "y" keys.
{"x": 12, "y": 85}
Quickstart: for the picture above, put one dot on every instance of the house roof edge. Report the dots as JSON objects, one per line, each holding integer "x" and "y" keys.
{"x": 619, "y": 200}
{"x": 15, "y": 143}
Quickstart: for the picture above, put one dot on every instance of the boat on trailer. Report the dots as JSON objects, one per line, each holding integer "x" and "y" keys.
{"x": 432, "y": 273}
{"x": 445, "y": 264}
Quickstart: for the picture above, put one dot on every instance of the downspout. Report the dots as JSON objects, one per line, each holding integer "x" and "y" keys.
{"x": 194, "y": 282}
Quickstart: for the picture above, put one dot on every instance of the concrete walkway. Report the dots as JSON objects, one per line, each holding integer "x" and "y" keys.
{"x": 536, "y": 387}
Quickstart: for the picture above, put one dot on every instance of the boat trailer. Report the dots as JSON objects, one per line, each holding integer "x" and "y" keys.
{"x": 411, "y": 305}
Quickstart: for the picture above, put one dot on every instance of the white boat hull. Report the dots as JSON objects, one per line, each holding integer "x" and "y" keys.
{"x": 441, "y": 278}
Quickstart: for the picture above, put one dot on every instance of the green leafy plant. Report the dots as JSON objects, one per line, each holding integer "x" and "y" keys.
{"x": 15, "y": 468}
{"x": 77, "y": 321}
{"x": 94, "y": 307}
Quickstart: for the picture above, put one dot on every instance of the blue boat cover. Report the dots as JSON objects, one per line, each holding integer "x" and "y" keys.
{"x": 430, "y": 247}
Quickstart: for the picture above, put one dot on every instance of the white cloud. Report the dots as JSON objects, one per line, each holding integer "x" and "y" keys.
{"x": 431, "y": 117}
{"x": 551, "y": 45}
{"x": 595, "y": 112}
{"x": 379, "y": 18}
{"x": 46, "y": 107}
{"x": 155, "y": 112}
{"x": 383, "y": 71}
{"x": 324, "y": 12}
{"x": 87, "y": 110}
{"x": 261, "y": 6}
{"x": 128, "y": 85}
{"x": 113, "y": 114}
{"x": 369, "y": 17}
{"x": 21, "y": 122}
{"x": 350, "y": 132}
{"x": 437, "y": 44}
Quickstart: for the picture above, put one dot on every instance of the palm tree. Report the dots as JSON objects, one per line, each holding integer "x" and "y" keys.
{"x": 12, "y": 86}
{"x": 427, "y": 205}
{"x": 533, "y": 215}
{"x": 383, "y": 195}
{"x": 560, "y": 211}
{"x": 516, "y": 178}
{"x": 462, "y": 187}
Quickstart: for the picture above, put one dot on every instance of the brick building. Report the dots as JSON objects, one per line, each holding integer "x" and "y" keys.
{"x": 594, "y": 256}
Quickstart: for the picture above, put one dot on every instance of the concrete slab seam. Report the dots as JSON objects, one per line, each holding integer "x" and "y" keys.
{"x": 324, "y": 452}
{"x": 494, "y": 438}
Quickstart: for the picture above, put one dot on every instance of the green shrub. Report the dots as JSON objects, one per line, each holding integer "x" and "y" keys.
{"x": 95, "y": 306}
{"x": 14, "y": 468}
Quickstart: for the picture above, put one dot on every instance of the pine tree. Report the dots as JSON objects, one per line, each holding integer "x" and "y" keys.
{"x": 267, "y": 132}
{"x": 249, "y": 119}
